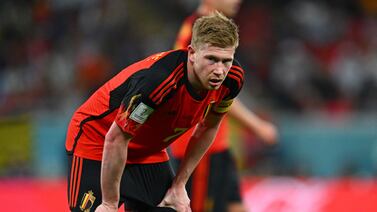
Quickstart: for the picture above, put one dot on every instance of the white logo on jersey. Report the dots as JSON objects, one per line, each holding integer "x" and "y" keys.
{"x": 141, "y": 113}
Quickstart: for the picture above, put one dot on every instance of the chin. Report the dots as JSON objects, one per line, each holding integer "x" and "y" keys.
{"x": 213, "y": 88}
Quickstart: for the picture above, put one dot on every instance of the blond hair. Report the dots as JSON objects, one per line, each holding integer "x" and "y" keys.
{"x": 215, "y": 29}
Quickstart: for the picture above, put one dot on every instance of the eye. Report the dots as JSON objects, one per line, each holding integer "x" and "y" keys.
{"x": 212, "y": 59}
{"x": 227, "y": 62}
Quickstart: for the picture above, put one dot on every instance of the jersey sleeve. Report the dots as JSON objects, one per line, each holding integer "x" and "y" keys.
{"x": 135, "y": 107}
{"x": 146, "y": 90}
{"x": 233, "y": 83}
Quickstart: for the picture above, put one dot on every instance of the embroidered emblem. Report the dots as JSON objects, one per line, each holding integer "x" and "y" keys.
{"x": 87, "y": 201}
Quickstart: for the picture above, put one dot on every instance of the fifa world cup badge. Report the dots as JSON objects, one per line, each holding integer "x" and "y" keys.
{"x": 87, "y": 201}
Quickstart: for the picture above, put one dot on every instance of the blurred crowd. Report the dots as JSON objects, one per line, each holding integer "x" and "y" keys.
{"x": 313, "y": 55}
{"x": 301, "y": 55}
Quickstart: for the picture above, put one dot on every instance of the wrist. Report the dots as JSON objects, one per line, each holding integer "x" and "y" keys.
{"x": 178, "y": 184}
{"x": 110, "y": 205}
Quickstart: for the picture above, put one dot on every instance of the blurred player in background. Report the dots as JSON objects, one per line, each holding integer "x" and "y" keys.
{"x": 135, "y": 115}
{"x": 215, "y": 183}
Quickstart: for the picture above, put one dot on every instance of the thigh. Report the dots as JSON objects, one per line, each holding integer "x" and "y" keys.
{"x": 143, "y": 186}
{"x": 84, "y": 188}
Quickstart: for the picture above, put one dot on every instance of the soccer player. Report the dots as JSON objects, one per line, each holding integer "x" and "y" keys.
{"x": 116, "y": 141}
{"x": 214, "y": 185}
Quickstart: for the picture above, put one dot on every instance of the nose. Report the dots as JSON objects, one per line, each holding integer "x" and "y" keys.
{"x": 220, "y": 68}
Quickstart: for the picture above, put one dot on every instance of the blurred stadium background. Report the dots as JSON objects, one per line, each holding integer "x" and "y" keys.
{"x": 312, "y": 70}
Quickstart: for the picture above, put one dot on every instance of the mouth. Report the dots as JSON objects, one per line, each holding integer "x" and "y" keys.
{"x": 215, "y": 82}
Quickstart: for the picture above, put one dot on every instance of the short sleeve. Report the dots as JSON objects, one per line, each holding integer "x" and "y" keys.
{"x": 147, "y": 89}
{"x": 136, "y": 107}
{"x": 223, "y": 106}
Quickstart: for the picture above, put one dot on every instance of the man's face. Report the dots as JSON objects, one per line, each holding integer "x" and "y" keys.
{"x": 228, "y": 7}
{"x": 210, "y": 66}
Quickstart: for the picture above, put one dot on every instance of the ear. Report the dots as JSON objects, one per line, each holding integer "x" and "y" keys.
{"x": 191, "y": 53}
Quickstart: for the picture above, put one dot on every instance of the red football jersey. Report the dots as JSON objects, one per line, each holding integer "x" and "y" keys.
{"x": 151, "y": 100}
{"x": 221, "y": 141}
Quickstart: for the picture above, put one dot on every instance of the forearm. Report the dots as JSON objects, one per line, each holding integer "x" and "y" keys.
{"x": 197, "y": 147}
{"x": 176, "y": 197}
{"x": 113, "y": 162}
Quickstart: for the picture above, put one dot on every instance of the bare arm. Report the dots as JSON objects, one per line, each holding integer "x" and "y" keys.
{"x": 176, "y": 197}
{"x": 261, "y": 128}
{"x": 113, "y": 162}
{"x": 198, "y": 145}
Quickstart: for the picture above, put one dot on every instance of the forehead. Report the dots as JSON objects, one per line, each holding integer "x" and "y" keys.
{"x": 207, "y": 50}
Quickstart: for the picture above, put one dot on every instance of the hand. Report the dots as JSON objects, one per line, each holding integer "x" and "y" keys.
{"x": 267, "y": 132}
{"x": 104, "y": 207}
{"x": 176, "y": 198}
